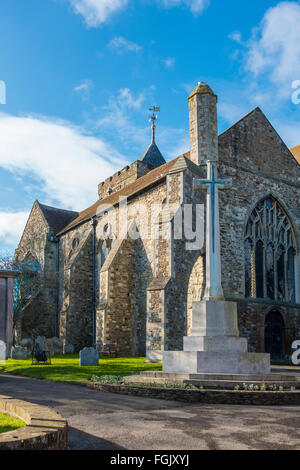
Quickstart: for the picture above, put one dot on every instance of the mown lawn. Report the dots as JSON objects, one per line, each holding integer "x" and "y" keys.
{"x": 66, "y": 368}
{"x": 9, "y": 423}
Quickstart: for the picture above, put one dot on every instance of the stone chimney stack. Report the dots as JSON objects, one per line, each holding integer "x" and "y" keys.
{"x": 203, "y": 124}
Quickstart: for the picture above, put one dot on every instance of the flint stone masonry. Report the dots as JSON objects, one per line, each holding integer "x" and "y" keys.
{"x": 89, "y": 357}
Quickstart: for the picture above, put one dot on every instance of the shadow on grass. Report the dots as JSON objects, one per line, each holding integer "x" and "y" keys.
{"x": 66, "y": 368}
{"x": 9, "y": 423}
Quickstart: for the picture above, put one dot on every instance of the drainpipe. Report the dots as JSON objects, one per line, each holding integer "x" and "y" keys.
{"x": 94, "y": 225}
{"x": 55, "y": 240}
{"x": 56, "y": 328}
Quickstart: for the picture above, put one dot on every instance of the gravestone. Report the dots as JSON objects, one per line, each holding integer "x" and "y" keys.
{"x": 2, "y": 351}
{"x": 53, "y": 345}
{"x": 69, "y": 349}
{"x": 89, "y": 357}
{"x": 27, "y": 343}
{"x": 6, "y": 310}
{"x": 39, "y": 342}
{"x": 19, "y": 353}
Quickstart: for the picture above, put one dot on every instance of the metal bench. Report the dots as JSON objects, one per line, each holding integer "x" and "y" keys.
{"x": 40, "y": 357}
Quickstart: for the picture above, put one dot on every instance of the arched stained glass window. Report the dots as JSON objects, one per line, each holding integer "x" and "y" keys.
{"x": 269, "y": 253}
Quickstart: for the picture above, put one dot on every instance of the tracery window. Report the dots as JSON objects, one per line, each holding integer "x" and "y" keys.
{"x": 269, "y": 253}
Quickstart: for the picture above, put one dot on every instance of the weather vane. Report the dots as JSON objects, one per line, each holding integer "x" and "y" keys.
{"x": 152, "y": 119}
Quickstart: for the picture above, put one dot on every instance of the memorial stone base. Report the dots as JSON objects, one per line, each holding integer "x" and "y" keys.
{"x": 214, "y": 345}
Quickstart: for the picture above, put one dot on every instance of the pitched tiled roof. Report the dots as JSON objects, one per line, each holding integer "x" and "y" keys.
{"x": 152, "y": 156}
{"x": 56, "y": 218}
{"x": 296, "y": 152}
{"x": 141, "y": 183}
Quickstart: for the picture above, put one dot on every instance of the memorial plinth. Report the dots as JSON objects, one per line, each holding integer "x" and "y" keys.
{"x": 214, "y": 345}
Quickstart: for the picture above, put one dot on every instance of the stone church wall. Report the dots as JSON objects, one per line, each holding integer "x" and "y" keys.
{"x": 252, "y": 317}
{"x": 259, "y": 164}
{"x": 258, "y": 147}
{"x": 122, "y": 178}
{"x": 76, "y": 287}
{"x": 137, "y": 259}
{"x": 38, "y": 316}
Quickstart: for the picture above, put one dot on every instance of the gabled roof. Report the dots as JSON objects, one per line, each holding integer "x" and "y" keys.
{"x": 296, "y": 152}
{"x": 56, "y": 218}
{"x": 146, "y": 181}
{"x": 152, "y": 156}
{"x": 140, "y": 184}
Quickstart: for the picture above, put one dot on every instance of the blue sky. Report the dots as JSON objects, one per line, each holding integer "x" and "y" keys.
{"x": 80, "y": 76}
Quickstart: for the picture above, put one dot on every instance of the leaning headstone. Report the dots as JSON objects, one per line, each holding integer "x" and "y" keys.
{"x": 27, "y": 343}
{"x": 40, "y": 342}
{"x": 53, "y": 345}
{"x": 19, "y": 353}
{"x": 89, "y": 357}
{"x": 2, "y": 351}
{"x": 69, "y": 349}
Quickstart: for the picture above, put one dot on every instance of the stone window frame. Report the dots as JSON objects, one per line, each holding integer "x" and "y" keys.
{"x": 104, "y": 243}
{"x": 269, "y": 227}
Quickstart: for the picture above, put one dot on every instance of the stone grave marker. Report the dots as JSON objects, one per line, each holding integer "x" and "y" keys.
{"x": 89, "y": 357}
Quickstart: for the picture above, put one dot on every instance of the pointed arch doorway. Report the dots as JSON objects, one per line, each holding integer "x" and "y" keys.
{"x": 274, "y": 334}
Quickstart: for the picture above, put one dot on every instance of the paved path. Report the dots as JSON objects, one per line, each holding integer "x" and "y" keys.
{"x": 100, "y": 420}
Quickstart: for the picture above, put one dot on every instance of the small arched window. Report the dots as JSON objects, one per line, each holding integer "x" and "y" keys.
{"x": 269, "y": 249}
{"x": 103, "y": 249}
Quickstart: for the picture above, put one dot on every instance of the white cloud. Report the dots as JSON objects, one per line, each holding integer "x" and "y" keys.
{"x": 126, "y": 98}
{"x": 196, "y": 6}
{"x": 236, "y": 36}
{"x": 121, "y": 44}
{"x": 119, "y": 123}
{"x": 68, "y": 163}
{"x": 274, "y": 48}
{"x": 84, "y": 89}
{"x": 169, "y": 63}
{"x": 11, "y": 227}
{"x": 118, "y": 120}
{"x": 96, "y": 12}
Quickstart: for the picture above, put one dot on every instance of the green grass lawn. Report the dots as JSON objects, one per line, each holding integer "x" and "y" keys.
{"x": 9, "y": 423}
{"x": 66, "y": 368}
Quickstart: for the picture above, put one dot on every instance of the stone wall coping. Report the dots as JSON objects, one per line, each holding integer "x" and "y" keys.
{"x": 7, "y": 273}
{"x": 46, "y": 429}
{"x": 221, "y": 397}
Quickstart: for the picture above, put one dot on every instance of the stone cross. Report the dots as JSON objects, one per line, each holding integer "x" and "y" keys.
{"x": 212, "y": 184}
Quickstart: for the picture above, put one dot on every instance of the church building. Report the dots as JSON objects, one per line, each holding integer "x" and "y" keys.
{"x": 125, "y": 271}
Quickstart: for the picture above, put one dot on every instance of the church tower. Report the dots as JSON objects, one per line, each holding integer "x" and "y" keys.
{"x": 203, "y": 124}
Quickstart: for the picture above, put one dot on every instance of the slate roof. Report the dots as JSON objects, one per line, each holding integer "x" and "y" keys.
{"x": 296, "y": 152}
{"x": 56, "y": 218}
{"x": 152, "y": 156}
